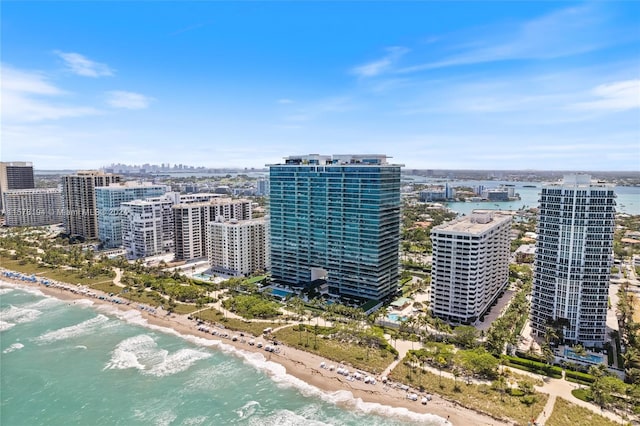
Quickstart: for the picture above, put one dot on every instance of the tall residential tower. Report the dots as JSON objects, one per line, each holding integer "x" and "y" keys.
{"x": 109, "y": 201}
{"x": 15, "y": 175}
{"x": 79, "y": 201}
{"x": 336, "y": 218}
{"x": 573, "y": 259}
{"x": 470, "y": 265}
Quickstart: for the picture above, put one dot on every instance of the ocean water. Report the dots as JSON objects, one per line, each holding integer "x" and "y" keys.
{"x": 76, "y": 363}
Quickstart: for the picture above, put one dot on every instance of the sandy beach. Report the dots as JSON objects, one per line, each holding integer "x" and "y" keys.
{"x": 297, "y": 363}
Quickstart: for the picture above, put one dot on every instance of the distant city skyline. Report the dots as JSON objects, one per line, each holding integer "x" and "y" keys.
{"x": 435, "y": 85}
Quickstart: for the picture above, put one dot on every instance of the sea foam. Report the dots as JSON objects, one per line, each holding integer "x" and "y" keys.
{"x": 142, "y": 353}
{"x": 13, "y": 347}
{"x": 83, "y": 328}
{"x": 275, "y": 371}
{"x": 285, "y": 418}
{"x": 5, "y": 290}
{"x": 4, "y": 325}
{"x": 18, "y": 315}
{"x": 24, "y": 288}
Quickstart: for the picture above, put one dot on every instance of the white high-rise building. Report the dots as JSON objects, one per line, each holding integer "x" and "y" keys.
{"x": 573, "y": 259}
{"x": 191, "y": 223}
{"x": 470, "y": 265}
{"x": 108, "y": 204}
{"x": 238, "y": 247}
{"x": 33, "y": 207}
{"x": 148, "y": 225}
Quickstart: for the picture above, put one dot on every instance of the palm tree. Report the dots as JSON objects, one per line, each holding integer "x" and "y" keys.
{"x": 441, "y": 363}
{"x": 500, "y": 384}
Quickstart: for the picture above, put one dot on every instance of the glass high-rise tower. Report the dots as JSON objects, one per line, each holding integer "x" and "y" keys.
{"x": 336, "y": 218}
{"x": 573, "y": 259}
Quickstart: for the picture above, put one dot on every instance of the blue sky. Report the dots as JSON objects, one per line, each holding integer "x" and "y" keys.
{"x": 465, "y": 85}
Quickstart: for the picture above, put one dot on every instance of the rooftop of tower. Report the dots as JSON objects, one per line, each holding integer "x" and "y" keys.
{"x": 578, "y": 180}
{"x": 330, "y": 160}
{"x": 475, "y": 224}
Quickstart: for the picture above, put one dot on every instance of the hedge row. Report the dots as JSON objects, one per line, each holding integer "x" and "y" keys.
{"x": 535, "y": 367}
{"x": 583, "y": 377}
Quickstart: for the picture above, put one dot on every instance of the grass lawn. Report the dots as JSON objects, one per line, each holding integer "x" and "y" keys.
{"x": 583, "y": 394}
{"x": 568, "y": 414}
{"x": 479, "y": 397}
{"x": 151, "y": 298}
{"x": 252, "y": 327}
{"x": 375, "y": 361}
{"x": 73, "y": 277}
{"x": 184, "y": 308}
{"x": 107, "y": 287}
{"x": 58, "y": 274}
{"x": 15, "y": 265}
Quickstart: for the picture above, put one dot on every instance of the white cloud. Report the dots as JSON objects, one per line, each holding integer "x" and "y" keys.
{"x": 382, "y": 65}
{"x": 618, "y": 96}
{"x": 14, "y": 80}
{"x": 285, "y": 101}
{"x": 562, "y": 33}
{"x": 27, "y": 97}
{"x": 128, "y": 100}
{"x": 80, "y": 65}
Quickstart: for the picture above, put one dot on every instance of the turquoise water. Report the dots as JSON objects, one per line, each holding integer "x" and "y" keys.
{"x": 281, "y": 293}
{"x": 595, "y": 359}
{"x": 73, "y": 363}
{"x": 627, "y": 201}
{"x": 396, "y": 317}
{"x": 203, "y": 277}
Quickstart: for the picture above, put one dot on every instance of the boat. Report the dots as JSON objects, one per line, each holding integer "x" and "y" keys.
{"x": 424, "y": 400}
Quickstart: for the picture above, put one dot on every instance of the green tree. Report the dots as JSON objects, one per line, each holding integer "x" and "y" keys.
{"x": 466, "y": 336}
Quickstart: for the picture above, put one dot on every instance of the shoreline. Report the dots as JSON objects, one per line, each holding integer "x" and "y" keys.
{"x": 304, "y": 366}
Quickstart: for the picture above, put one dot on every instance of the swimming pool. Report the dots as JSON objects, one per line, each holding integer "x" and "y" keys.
{"x": 592, "y": 358}
{"x": 396, "y": 317}
{"x": 203, "y": 277}
{"x": 280, "y": 292}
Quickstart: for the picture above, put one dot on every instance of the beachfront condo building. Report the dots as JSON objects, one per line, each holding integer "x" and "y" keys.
{"x": 336, "y": 218}
{"x": 191, "y": 220}
{"x": 109, "y": 200}
{"x": 33, "y": 207}
{"x": 573, "y": 259}
{"x": 238, "y": 247}
{"x": 470, "y": 265}
{"x": 15, "y": 175}
{"x": 148, "y": 225}
{"x": 79, "y": 201}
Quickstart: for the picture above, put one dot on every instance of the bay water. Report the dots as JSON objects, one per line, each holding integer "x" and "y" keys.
{"x": 76, "y": 363}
